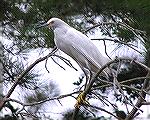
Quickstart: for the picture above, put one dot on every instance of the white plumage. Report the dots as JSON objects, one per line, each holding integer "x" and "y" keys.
{"x": 78, "y": 46}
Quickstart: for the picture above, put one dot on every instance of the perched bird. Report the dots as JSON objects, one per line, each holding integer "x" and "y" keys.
{"x": 78, "y": 46}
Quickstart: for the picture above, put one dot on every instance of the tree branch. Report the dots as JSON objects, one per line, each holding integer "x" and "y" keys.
{"x": 106, "y": 50}
{"x": 65, "y": 61}
{"x": 101, "y": 109}
{"x": 19, "y": 78}
{"x": 42, "y": 101}
{"x": 89, "y": 86}
{"x": 118, "y": 41}
{"x": 140, "y": 98}
{"x": 133, "y": 30}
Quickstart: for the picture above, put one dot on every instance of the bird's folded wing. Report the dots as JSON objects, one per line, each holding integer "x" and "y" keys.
{"x": 87, "y": 58}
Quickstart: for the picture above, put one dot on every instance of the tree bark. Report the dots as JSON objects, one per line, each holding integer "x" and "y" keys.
{"x": 1, "y": 67}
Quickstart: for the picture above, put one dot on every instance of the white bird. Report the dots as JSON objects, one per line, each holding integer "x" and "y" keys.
{"x": 78, "y": 46}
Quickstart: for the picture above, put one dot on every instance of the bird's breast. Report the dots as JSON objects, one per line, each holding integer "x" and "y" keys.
{"x": 62, "y": 42}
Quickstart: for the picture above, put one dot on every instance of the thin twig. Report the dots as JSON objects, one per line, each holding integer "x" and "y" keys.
{"x": 42, "y": 101}
{"x": 106, "y": 50}
{"x": 66, "y": 61}
{"x": 114, "y": 40}
{"x": 134, "y": 79}
{"x": 118, "y": 41}
{"x": 101, "y": 109}
{"x": 134, "y": 31}
{"x": 46, "y": 66}
{"x": 58, "y": 63}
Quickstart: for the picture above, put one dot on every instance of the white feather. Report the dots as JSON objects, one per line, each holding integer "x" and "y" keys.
{"x": 78, "y": 46}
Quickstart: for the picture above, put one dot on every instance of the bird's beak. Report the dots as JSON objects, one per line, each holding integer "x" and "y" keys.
{"x": 42, "y": 25}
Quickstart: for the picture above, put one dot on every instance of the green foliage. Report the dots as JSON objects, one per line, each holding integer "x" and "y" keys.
{"x": 20, "y": 18}
{"x": 13, "y": 67}
{"x": 82, "y": 115}
{"x": 125, "y": 35}
{"x": 43, "y": 92}
{"x": 121, "y": 114}
{"x": 79, "y": 81}
{"x": 13, "y": 115}
{"x": 8, "y": 117}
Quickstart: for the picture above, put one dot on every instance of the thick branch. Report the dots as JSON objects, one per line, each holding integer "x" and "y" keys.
{"x": 145, "y": 103}
{"x": 140, "y": 99}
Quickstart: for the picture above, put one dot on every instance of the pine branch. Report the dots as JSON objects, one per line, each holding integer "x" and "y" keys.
{"x": 40, "y": 102}
{"x": 128, "y": 27}
{"x": 19, "y": 78}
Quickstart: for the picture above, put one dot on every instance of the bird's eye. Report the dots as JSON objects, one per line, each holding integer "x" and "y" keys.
{"x": 52, "y": 22}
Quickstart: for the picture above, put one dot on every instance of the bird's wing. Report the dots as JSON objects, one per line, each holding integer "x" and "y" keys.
{"x": 88, "y": 62}
{"x": 82, "y": 45}
{"x": 89, "y": 59}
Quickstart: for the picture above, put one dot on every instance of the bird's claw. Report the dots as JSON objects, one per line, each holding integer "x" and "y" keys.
{"x": 81, "y": 100}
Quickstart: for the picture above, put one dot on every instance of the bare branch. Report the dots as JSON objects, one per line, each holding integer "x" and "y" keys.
{"x": 58, "y": 63}
{"x": 106, "y": 50}
{"x": 66, "y": 61}
{"x": 46, "y": 65}
{"x": 89, "y": 86}
{"x": 145, "y": 103}
{"x": 138, "y": 104}
{"x": 134, "y": 79}
{"x": 133, "y": 30}
{"x": 101, "y": 109}
{"x": 43, "y": 101}
{"x": 118, "y": 41}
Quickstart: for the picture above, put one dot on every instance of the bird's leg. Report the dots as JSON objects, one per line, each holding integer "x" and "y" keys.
{"x": 87, "y": 80}
{"x": 88, "y": 75}
{"x": 81, "y": 97}
{"x": 81, "y": 100}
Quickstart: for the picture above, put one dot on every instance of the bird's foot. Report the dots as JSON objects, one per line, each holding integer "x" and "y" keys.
{"x": 81, "y": 100}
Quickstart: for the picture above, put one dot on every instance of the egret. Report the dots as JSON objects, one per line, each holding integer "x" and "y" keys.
{"x": 78, "y": 46}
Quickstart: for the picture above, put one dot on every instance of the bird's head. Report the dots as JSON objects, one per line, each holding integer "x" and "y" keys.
{"x": 53, "y": 23}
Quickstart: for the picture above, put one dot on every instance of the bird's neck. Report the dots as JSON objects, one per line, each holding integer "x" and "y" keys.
{"x": 61, "y": 29}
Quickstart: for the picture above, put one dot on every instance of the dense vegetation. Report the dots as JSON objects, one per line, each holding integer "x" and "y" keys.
{"x": 125, "y": 22}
